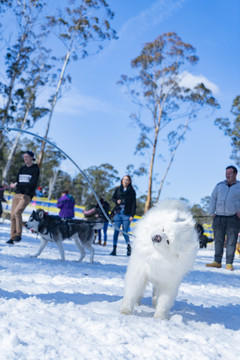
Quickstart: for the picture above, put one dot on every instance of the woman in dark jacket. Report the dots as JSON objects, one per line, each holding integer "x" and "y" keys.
{"x": 125, "y": 199}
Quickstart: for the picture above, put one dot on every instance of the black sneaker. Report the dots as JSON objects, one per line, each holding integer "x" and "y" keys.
{"x": 114, "y": 252}
{"x": 11, "y": 241}
{"x": 129, "y": 250}
{"x": 17, "y": 239}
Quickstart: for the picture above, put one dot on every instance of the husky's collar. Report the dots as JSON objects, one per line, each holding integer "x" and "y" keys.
{"x": 43, "y": 227}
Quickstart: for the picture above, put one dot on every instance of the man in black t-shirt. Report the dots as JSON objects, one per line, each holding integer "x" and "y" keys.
{"x": 25, "y": 187}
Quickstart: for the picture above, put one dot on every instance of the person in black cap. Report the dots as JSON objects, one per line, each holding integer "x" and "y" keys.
{"x": 25, "y": 187}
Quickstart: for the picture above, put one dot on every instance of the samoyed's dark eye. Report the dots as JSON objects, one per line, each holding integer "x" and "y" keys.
{"x": 157, "y": 238}
{"x": 168, "y": 242}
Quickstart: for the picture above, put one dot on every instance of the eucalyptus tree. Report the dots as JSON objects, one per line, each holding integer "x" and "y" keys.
{"x": 200, "y": 214}
{"x": 16, "y": 164}
{"x": 103, "y": 179}
{"x": 27, "y": 109}
{"x": 24, "y": 18}
{"x": 64, "y": 182}
{"x": 165, "y": 102}
{"x": 81, "y": 26}
{"x": 231, "y": 129}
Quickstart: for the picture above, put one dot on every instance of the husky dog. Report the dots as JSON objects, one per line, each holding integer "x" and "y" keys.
{"x": 164, "y": 249}
{"x": 52, "y": 228}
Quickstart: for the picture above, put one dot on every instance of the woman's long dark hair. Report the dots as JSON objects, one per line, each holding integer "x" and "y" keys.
{"x": 129, "y": 177}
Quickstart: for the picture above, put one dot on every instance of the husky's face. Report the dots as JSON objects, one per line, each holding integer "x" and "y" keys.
{"x": 34, "y": 220}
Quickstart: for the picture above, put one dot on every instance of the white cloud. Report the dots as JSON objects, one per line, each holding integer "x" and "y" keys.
{"x": 151, "y": 16}
{"x": 190, "y": 80}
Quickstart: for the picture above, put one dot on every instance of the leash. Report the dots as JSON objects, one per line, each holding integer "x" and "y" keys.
{"x": 4, "y": 187}
{"x": 8, "y": 129}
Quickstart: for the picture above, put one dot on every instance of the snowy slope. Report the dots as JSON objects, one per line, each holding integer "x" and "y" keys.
{"x": 54, "y": 310}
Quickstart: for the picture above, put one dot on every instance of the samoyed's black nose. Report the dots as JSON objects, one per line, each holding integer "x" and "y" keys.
{"x": 156, "y": 238}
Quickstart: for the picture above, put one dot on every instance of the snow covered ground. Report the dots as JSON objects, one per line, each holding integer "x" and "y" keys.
{"x": 54, "y": 310}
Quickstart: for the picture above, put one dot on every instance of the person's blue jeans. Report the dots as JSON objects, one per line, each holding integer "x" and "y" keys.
{"x": 105, "y": 227}
{"x": 225, "y": 226}
{"x": 121, "y": 219}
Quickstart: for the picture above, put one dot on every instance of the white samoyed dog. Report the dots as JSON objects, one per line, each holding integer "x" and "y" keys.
{"x": 164, "y": 250}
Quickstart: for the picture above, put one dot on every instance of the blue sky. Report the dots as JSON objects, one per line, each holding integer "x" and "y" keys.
{"x": 91, "y": 122}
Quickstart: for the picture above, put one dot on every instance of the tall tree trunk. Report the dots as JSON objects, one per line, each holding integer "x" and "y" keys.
{"x": 173, "y": 153}
{"x": 13, "y": 150}
{"x": 148, "y": 202}
{"x": 52, "y": 183}
{"x": 157, "y": 123}
{"x": 40, "y": 158}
